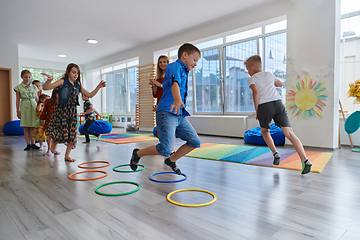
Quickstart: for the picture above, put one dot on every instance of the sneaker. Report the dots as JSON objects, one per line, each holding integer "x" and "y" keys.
{"x": 134, "y": 159}
{"x": 41, "y": 148}
{"x": 33, "y": 146}
{"x": 276, "y": 158}
{"x": 173, "y": 166}
{"x": 28, "y": 147}
{"x": 57, "y": 153}
{"x": 48, "y": 153}
{"x": 306, "y": 166}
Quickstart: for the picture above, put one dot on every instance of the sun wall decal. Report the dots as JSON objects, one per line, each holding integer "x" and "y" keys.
{"x": 306, "y": 99}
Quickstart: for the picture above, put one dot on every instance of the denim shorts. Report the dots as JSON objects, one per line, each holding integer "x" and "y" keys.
{"x": 168, "y": 125}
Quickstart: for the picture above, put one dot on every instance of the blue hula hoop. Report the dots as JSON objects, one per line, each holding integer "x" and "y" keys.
{"x": 174, "y": 181}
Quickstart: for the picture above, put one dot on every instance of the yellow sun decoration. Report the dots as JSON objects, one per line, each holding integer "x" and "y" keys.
{"x": 306, "y": 99}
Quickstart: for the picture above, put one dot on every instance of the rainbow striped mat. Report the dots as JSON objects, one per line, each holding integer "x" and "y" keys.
{"x": 259, "y": 156}
{"x": 119, "y": 138}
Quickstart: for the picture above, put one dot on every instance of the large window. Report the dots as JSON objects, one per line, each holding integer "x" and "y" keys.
{"x": 238, "y": 95}
{"x": 207, "y": 85}
{"x": 218, "y": 84}
{"x": 275, "y": 58}
{"x": 349, "y": 52}
{"x": 120, "y": 88}
{"x": 36, "y": 74}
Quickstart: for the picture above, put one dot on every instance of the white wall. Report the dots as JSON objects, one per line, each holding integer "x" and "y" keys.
{"x": 9, "y": 59}
{"x": 313, "y": 30}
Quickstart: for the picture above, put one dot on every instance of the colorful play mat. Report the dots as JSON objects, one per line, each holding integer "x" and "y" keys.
{"x": 120, "y": 138}
{"x": 259, "y": 156}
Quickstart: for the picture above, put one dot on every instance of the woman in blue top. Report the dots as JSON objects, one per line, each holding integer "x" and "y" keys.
{"x": 63, "y": 125}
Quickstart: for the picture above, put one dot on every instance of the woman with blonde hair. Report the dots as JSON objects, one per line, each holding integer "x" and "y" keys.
{"x": 156, "y": 84}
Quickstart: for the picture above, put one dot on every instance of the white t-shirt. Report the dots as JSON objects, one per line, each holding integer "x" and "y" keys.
{"x": 265, "y": 83}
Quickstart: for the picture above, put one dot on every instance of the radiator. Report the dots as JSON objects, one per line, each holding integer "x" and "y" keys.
{"x": 232, "y": 126}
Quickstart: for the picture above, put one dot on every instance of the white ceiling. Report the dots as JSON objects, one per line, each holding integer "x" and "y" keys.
{"x": 45, "y": 28}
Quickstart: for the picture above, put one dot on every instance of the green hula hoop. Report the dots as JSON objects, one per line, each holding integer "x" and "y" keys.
{"x": 137, "y": 170}
{"x": 117, "y": 194}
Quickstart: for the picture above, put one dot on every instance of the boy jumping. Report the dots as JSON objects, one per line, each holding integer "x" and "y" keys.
{"x": 171, "y": 114}
{"x": 269, "y": 106}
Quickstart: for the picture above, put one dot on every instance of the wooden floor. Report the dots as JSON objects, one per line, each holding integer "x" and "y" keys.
{"x": 39, "y": 201}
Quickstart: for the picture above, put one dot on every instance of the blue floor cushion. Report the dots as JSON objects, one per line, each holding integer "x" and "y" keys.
{"x": 254, "y": 136}
{"x": 98, "y": 126}
{"x": 13, "y": 128}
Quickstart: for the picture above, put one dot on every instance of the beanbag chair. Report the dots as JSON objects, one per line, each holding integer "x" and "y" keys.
{"x": 13, "y": 128}
{"x": 352, "y": 123}
{"x": 254, "y": 136}
{"x": 98, "y": 126}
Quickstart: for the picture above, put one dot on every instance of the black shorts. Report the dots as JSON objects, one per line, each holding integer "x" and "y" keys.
{"x": 272, "y": 110}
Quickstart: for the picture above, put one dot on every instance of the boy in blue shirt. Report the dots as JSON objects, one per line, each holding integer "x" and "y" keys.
{"x": 171, "y": 114}
{"x": 89, "y": 112}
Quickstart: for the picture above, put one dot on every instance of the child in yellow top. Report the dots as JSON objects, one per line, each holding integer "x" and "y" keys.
{"x": 39, "y": 133}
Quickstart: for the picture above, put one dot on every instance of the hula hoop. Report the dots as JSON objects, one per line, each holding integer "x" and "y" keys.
{"x": 137, "y": 170}
{"x": 107, "y": 164}
{"x": 87, "y": 179}
{"x": 191, "y": 205}
{"x": 174, "y": 181}
{"x": 117, "y": 194}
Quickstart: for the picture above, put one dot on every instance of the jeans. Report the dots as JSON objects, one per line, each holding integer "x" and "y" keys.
{"x": 86, "y": 130}
{"x": 168, "y": 125}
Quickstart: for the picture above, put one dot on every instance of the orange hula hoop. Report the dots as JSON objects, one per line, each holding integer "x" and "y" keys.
{"x": 87, "y": 179}
{"x": 106, "y": 164}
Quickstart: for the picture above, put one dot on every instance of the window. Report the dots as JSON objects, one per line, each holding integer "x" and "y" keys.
{"x": 274, "y": 60}
{"x": 120, "y": 92}
{"x": 218, "y": 84}
{"x": 349, "y": 52}
{"x": 238, "y": 95}
{"x": 207, "y": 85}
{"x": 36, "y": 74}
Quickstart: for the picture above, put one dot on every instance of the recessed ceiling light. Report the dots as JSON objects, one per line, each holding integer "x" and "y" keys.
{"x": 92, "y": 41}
{"x": 62, "y": 55}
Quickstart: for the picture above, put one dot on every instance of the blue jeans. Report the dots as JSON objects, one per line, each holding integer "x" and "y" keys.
{"x": 168, "y": 125}
{"x": 86, "y": 130}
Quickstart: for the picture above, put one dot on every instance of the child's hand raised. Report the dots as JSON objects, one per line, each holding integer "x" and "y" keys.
{"x": 102, "y": 84}
{"x": 49, "y": 77}
{"x": 176, "y": 106}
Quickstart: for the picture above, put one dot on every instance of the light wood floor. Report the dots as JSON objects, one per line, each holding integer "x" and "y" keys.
{"x": 38, "y": 201}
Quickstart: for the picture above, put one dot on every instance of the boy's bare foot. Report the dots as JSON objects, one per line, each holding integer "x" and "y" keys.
{"x": 69, "y": 159}
{"x": 86, "y": 142}
{"x": 98, "y": 137}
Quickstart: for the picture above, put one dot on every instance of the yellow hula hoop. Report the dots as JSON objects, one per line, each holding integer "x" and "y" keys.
{"x": 191, "y": 205}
